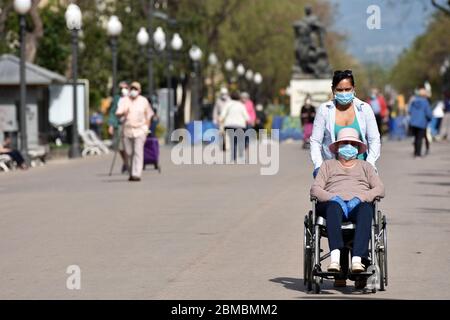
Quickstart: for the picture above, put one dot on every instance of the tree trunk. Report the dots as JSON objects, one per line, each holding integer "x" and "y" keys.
{"x": 3, "y": 17}
{"x": 441, "y": 7}
{"x": 32, "y": 39}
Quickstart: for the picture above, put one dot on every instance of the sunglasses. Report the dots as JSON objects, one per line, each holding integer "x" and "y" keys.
{"x": 345, "y": 72}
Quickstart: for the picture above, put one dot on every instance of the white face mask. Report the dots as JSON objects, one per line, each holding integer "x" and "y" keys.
{"x": 125, "y": 92}
{"x": 134, "y": 93}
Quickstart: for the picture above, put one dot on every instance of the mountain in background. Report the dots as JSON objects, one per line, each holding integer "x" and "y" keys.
{"x": 401, "y": 22}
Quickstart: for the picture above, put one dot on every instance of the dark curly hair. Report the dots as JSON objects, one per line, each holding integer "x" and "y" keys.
{"x": 341, "y": 75}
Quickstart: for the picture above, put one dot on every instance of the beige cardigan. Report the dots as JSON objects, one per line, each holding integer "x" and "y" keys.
{"x": 361, "y": 180}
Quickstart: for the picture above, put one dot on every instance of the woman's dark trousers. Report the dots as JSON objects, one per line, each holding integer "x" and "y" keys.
{"x": 419, "y": 135}
{"x": 361, "y": 216}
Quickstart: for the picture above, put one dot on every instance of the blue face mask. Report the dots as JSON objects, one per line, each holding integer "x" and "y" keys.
{"x": 348, "y": 152}
{"x": 344, "y": 98}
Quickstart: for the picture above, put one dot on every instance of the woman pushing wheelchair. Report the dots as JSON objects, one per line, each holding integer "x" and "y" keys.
{"x": 345, "y": 110}
{"x": 345, "y": 188}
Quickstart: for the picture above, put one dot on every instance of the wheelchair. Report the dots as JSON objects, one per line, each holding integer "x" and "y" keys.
{"x": 376, "y": 273}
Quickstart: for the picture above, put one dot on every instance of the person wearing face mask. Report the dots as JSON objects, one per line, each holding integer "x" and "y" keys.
{"x": 420, "y": 116}
{"x": 136, "y": 113}
{"x": 344, "y": 111}
{"x": 307, "y": 115}
{"x": 224, "y": 98}
{"x": 379, "y": 107}
{"x": 114, "y": 124}
{"x": 345, "y": 188}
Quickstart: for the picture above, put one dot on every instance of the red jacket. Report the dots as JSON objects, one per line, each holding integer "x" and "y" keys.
{"x": 383, "y": 106}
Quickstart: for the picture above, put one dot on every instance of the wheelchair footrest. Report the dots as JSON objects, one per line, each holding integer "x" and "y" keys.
{"x": 328, "y": 275}
{"x": 358, "y": 275}
{"x": 349, "y": 275}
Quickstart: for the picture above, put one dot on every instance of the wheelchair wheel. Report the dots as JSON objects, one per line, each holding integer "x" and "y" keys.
{"x": 306, "y": 252}
{"x": 381, "y": 275}
{"x": 381, "y": 258}
{"x": 308, "y": 255}
{"x": 310, "y": 278}
{"x": 317, "y": 284}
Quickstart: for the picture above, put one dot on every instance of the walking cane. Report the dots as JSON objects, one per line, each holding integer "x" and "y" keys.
{"x": 132, "y": 156}
{"x": 116, "y": 148}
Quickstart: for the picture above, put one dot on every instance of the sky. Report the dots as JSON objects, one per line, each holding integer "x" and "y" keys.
{"x": 401, "y": 22}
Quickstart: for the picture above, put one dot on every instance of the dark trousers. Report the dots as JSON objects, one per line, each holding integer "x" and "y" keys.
{"x": 237, "y": 144}
{"x": 16, "y": 156}
{"x": 419, "y": 135}
{"x": 379, "y": 121}
{"x": 361, "y": 216}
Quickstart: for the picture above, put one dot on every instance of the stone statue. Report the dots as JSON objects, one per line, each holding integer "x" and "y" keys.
{"x": 310, "y": 53}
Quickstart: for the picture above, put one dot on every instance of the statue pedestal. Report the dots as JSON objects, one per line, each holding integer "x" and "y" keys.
{"x": 319, "y": 89}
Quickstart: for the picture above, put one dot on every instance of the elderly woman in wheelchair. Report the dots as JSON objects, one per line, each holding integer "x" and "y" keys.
{"x": 345, "y": 189}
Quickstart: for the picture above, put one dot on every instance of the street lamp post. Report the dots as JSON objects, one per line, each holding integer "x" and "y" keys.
{"x": 195, "y": 53}
{"x": 175, "y": 44}
{"x": 159, "y": 38}
{"x": 212, "y": 60}
{"x": 258, "y": 80}
{"x": 229, "y": 66}
{"x": 150, "y": 50}
{"x": 143, "y": 39}
{"x": 249, "y": 76}
{"x": 241, "y": 72}
{"x": 22, "y": 7}
{"x": 74, "y": 22}
{"x": 445, "y": 73}
{"x": 114, "y": 29}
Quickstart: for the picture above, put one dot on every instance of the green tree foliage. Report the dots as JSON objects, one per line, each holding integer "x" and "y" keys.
{"x": 257, "y": 33}
{"x": 54, "y": 48}
{"x": 423, "y": 60}
{"x": 260, "y": 35}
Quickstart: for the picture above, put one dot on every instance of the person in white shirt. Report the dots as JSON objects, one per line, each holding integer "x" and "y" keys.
{"x": 137, "y": 113}
{"x": 223, "y": 99}
{"x": 234, "y": 117}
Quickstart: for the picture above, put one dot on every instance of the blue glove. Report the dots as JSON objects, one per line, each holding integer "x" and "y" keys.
{"x": 342, "y": 204}
{"x": 353, "y": 203}
{"x": 315, "y": 172}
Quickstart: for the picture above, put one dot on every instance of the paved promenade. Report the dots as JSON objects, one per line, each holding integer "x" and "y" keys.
{"x": 207, "y": 232}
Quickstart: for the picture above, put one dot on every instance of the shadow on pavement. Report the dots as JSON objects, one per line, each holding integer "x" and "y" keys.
{"x": 107, "y": 175}
{"x": 434, "y": 195}
{"x": 297, "y": 285}
{"x": 116, "y": 180}
{"x": 424, "y": 174}
{"x": 435, "y": 210}
{"x": 443, "y": 184}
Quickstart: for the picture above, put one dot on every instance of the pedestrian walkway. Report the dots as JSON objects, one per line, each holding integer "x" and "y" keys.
{"x": 207, "y": 232}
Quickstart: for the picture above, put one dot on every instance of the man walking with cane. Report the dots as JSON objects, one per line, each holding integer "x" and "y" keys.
{"x": 137, "y": 113}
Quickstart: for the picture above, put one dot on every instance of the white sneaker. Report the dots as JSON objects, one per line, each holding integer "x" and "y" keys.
{"x": 334, "y": 267}
{"x": 357, "y": 267}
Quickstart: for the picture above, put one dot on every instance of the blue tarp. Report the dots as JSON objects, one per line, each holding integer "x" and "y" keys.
{"x": 289, "y": 127}
{"x": 398, "y": 128}
{"x": 197, "y": 132}
{"x": 277, "y": 122}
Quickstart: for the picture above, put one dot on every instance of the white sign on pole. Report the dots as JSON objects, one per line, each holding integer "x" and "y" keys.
{"x": 319, "y": 89}
{"x": 8, "y": 118}
{"x": 61, "y": 105}
{"x": 32, "y": 125}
